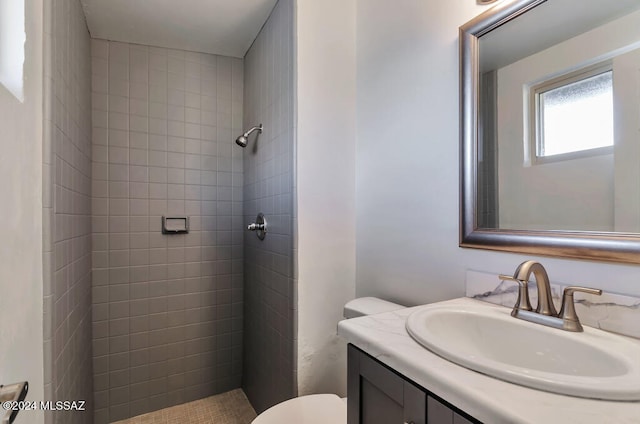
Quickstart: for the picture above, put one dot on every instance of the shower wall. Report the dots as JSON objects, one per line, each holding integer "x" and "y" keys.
{"x": 67, "y": 209}
{"x": 269, "y": 373}
{"x": 167, "y": 309}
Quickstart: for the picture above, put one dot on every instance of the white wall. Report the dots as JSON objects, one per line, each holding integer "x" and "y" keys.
{"x": 626, "y": 86}
{"x": 407, "y": 161}
{"x": 325, "y": 188}
{"x": 21, "y": 332}
{"x": 407, "y": 150}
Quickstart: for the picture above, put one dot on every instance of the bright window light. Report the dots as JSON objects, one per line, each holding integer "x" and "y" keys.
{"x": 576, "y": 116}
{"x": 12, "y": 38}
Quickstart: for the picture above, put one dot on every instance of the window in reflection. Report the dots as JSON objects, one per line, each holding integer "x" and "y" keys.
{"x": 574, "y": 114}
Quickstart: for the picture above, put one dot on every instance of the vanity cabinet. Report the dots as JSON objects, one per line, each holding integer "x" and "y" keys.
{"x": 379, "y": 395}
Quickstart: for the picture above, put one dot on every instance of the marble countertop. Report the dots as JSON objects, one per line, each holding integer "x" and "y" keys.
{"x": 490, "y": 400}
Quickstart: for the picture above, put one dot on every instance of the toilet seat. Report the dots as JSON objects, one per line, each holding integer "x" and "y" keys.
{"x": 311, "y": 409}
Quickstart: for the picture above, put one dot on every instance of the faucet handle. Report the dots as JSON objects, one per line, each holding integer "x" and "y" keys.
{"x": 568, "y": 310}
{"x": 522, "y": 303}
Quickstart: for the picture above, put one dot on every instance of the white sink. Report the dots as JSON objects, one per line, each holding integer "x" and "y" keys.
{"x": 591, "y": 364}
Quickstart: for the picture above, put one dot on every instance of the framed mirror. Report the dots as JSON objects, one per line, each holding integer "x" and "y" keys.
{"x": 550, "y": 129}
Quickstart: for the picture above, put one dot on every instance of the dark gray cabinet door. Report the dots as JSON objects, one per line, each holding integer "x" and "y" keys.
{"x": 378, "y": 395}
{"x": 439, "y": 413}
{"x": 459, "y": 419}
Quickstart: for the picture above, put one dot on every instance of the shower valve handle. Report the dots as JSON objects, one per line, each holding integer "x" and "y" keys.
{"x": 260, "y": 226}
{"x": 255, "y": 227}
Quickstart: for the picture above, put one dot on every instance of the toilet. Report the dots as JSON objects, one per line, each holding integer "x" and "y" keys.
{"x": 324, "y": 408}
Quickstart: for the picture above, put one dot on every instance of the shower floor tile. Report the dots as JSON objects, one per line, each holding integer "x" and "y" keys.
{"x": 226, "y": 408}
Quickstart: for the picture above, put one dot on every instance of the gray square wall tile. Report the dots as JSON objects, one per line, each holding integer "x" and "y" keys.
{"x": 67, "y": 214}
{"x": 154, "y": 136}
{"x": 265, "y": 307}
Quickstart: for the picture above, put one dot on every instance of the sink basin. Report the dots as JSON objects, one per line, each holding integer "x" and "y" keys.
{"x": 592, "y": 364}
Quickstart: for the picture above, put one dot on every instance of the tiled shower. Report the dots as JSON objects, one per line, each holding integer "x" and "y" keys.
{"x": 137, "y": 320}
{"x": 167, "y": 324}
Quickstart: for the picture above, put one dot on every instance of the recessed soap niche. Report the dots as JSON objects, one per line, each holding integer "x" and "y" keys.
{"x": 175, "y": 225}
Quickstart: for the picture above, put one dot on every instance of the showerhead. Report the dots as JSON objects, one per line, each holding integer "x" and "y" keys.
{"x": 243, "y": 140}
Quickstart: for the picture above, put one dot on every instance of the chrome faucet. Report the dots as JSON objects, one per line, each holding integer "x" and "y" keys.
{"x": 545, "y": 312}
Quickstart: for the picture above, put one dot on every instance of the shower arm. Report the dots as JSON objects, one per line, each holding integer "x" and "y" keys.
{"x": 259, "y": 128}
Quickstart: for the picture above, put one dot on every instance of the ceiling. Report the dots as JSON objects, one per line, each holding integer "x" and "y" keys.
{"x": 223, "y": 27}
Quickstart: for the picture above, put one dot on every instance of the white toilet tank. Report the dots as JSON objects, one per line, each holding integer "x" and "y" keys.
{"x": 368, "y": 306}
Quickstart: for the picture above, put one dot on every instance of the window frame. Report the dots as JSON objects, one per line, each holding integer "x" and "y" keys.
{"x": 535, "y": 116}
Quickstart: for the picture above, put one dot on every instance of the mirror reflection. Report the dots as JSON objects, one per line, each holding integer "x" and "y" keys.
{"x": 559, "y": 119}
